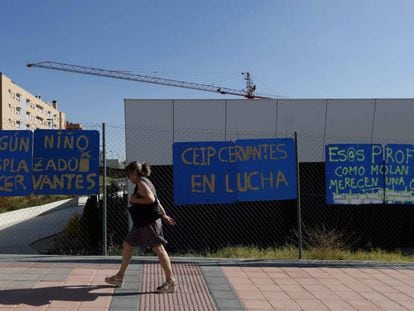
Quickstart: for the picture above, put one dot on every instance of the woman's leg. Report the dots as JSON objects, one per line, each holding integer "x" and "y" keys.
{"x": 165, "y": 262}
{"x": 118, "y": 279}
{"x": 127, "y": 252}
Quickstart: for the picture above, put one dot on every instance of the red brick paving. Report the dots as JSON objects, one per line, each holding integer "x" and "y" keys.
{"x": 80, "y": 286}
{"x": 310, "y": 288}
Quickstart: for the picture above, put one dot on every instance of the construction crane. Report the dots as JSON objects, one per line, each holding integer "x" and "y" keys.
{"x": 249, "y": 92}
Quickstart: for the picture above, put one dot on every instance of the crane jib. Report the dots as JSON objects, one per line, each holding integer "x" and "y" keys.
{"x": 248, "y": 93}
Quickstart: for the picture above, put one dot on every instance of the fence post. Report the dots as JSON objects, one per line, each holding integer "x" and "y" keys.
{"x": 104, "y": 229}
{"x": 299, "y": 211}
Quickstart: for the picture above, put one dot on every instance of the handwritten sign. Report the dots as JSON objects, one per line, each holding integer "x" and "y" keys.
{"x": 66, "y": 162}
{"x": 201, "y": 172}
{"x": 266, "y": 170}
{"x": 399, "y": 174}
{"x": 226, "y": 172}
{"x": 354, "y": 174}
{"x": 15, "y": 163}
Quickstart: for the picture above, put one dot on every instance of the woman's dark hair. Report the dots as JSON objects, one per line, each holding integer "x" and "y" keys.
{"x": 142, "y": 169}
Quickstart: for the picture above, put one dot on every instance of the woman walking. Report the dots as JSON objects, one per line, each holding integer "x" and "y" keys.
{"x": 147, "y": 215}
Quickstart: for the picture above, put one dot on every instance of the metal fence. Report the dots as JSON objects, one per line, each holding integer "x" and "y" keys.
{"x": 97, "y": 224}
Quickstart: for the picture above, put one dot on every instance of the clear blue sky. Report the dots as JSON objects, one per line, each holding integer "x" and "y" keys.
{"x": 296, "y": 48}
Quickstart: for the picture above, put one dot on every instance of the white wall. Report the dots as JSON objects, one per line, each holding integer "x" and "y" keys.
{"x": 153, "y": 125}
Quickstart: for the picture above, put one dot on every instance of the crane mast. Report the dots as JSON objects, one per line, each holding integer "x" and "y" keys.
{"x": 249, "y": 92}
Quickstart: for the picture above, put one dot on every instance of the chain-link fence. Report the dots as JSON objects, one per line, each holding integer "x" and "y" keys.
{"x": 77, "y": 226}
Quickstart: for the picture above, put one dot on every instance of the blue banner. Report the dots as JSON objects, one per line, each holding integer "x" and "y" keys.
{"x": 354, "y": 174}
{"x": 266, "y": 170}
{"x": 66, "y": 162}
{"x": 399, "y": 174}
{"x": 16, "y": 163}
{"x": 226, "y": 172}
{"x": 201, "y": 172}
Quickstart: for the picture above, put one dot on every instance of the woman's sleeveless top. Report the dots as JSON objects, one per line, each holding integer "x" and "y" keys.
{"x": 144, "y": 214}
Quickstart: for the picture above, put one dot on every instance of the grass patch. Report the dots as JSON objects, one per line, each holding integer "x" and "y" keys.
{"x": 8, "y": 204}
{"x": 314, "y": 253}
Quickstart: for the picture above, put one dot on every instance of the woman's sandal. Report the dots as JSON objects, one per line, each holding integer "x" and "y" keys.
{"x": 113, "y": 280}
{"x": 168, "y": 287}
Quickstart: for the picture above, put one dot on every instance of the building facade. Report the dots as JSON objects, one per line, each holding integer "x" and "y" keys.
{"x": 21, "y": 110}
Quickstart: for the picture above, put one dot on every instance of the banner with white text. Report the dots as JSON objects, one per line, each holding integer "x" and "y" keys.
{"x": 399, "y": 174}
{"x": 354, "y": 174}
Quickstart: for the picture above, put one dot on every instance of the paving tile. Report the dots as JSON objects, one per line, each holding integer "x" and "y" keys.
{"x": 409, "y": 304}
{"x": 41, "y": 265}
{"x": 285, "y": 281}
{"x": 251, "y": 295}
{"x": 257, "y": 304}
{"x": 29, "y": 308}
{"x": 269, "y": 293}
{"x": 20, "y": 285}
{"x": 300, "y": 295}
{"x": 262, "y": 281}
{"x": 389, "y": 305}
{"x": 35, "y": 270}
{"x": 277, "y": 275}
{"x": 257, "y": 274}
{"x": 363, "y": 304}
{"x": 83, "y": 271}
{"x": 348, "y": 295}
{"x": 28, "y": 277}
{"x": 43, "y": 284}
{"x": 291, "y": 288}
{"x": 311, "y": 304}
{"x": 264, "y": 287}
{"x": 54, "y": 277}
{"x": 240, "y": 280}
{"x": 337, "y": 304}
{"x": 244, "y": 287}
{"x": 67, "y": 308}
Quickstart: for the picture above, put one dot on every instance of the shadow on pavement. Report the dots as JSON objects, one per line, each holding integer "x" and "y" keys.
{"x": 44, "y": 296}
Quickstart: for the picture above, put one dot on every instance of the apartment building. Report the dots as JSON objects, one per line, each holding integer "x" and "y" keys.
{"x": 22, "y": 110}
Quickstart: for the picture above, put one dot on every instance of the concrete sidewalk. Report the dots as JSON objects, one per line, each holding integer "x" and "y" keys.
{"x": 31, "y": 282}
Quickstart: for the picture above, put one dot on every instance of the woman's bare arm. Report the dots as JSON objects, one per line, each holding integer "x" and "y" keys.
{"x": 146, "y": 196}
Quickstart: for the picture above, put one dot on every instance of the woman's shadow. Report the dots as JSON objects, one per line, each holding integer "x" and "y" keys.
{"x": 43, "y": 296}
